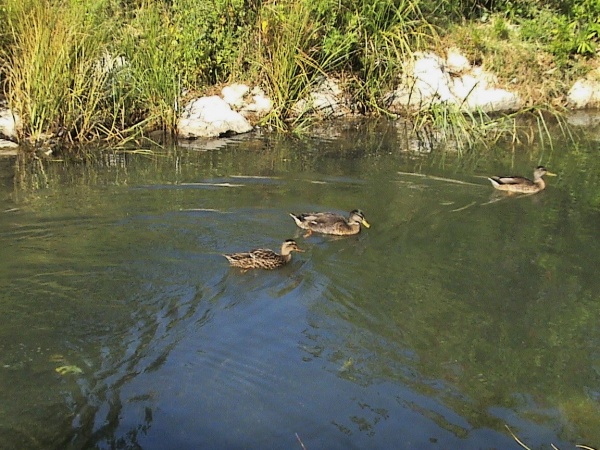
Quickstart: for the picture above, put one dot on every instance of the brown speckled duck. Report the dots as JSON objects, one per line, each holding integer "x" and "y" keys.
{"x": 522, "y": 185}
{"x": 331, "y": 223}
{"x": 263, "y": 258}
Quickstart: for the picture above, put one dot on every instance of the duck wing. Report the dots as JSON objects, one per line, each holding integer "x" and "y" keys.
{"x": 325, "y": 218}
{"x": 512, "y": 180}
{"x": 263, "y": 253}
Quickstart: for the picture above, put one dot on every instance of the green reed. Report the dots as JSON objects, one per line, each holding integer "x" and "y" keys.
{"x": 53, "y": 81}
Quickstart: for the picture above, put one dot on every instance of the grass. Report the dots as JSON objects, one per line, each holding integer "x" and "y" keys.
{"x": 52, "y": 80}
{"x": 286, "y": 57}
{"x": 89, "y": 70}
{"x": 150, "y": 49}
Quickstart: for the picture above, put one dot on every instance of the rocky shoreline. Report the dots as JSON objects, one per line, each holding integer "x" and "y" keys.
{"x": 427, "y": 80}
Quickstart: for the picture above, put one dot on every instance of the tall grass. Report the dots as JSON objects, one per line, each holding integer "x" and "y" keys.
{"x": 287, "y": 40}
{"x": 53, "y": 82}
{"x": 385, "y": 34}
{"x": 89, "y": 69}
{"x": 150, "y": 50}
{"x": 363, "y": 40}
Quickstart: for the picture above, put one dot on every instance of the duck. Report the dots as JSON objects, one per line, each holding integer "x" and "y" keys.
{"x": 264, "y": 258}
{"x": 522, "y": 185}
{"x": 331, "y": 223}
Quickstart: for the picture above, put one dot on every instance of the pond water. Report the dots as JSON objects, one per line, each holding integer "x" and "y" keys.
{"x": 460, "y": 316}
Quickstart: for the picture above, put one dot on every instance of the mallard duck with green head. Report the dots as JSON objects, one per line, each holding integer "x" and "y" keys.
{"x": 264, "y": 258}
{"x": 522, "y": 185}
{"x": 331, "y": 223}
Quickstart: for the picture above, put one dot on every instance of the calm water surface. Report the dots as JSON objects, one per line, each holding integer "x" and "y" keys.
{"x": 459, "y": 313}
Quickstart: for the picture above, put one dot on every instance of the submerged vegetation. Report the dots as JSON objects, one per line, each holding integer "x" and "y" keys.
{"x": 108, "y": 69}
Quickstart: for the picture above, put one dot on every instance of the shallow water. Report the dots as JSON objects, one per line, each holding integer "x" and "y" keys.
{"x": 458, "y": 313}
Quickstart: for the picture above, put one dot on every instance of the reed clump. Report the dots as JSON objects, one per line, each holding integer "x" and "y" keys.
{"x": 52, "y": 79}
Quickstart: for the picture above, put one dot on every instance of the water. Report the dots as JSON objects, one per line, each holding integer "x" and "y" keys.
{"x": 459, "y": 313}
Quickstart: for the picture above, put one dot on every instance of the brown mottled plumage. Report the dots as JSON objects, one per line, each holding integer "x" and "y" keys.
{"x": 263, "y": 258}
{"x": 522, "y": 185}
{"x": 331, "y": 223}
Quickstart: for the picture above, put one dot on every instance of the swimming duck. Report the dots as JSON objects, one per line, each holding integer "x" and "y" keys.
{"x": 263, "y": 258}
{"x": 331, "y": 223}
{"x": 521, "y": 184}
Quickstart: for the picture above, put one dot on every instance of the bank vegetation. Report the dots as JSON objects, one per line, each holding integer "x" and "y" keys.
{"x": 79, "y": 71}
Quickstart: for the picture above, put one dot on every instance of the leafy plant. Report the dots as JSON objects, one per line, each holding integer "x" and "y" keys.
{"x": 571, "y": 30}
{"x": 210, "y": 36}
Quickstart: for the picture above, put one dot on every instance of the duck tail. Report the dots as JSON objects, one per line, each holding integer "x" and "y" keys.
{"x": 296, "y": 218}
{"x": 495, "y": 181}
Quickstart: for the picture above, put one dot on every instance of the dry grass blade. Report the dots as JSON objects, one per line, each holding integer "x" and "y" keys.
{"x": 300, "y": 441}
{"x": 516, "y": 438}
{"x": 584, "y": 447}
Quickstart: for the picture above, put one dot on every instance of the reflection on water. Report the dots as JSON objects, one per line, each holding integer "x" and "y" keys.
{"x": 460, "y": 311}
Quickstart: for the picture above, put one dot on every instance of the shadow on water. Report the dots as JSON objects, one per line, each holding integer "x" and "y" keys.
{"x": 459, "y": 312}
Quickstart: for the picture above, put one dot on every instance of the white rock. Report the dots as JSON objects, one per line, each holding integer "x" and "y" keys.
{"x": 260, "y": 106}
{"x": 326, "y": 100}
{"x": 431, "y": 78}
{"x": 234, "y": 94}
{"x": 486, "y": 79}
{"x": 330, "y": 86}
{"x": 109, "y": 63}
{"x": 584, "y": 118}
{"x": 474, "y": 93}
{"x": 406, "y": 97}
{"x": 464, "y": 86}
{"x": 9, "y": 123}
{"x": 429, "y": 82}
{"x": 584, "y": 94}
{"x": 456, "y": 62}
{"x": 210, "y": 117}
{"x": 493, "y": 100}
{"x": 8, "y": 144}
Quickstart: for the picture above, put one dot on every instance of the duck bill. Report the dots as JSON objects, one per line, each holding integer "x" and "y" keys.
{"x": 366, "y": 224}
{"x": 550, "y": 174}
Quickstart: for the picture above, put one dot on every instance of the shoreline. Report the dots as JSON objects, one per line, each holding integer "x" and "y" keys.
{"x": 282, "y": 66}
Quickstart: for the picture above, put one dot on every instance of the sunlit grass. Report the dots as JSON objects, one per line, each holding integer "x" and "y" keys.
{"x": 81, "y": 71}
{"x": 153, "y": 70}
{"x": 285, "y": 38}
{"x": 53, "y": 81}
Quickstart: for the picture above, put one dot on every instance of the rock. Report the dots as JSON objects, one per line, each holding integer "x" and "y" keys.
{"x": 252, "y": 104}
{"x": 234, "y": 94}
{"x": 584, "y": 118}
{"x": 585, "y": 93}
{"x": 9, "y": 123}
{"x": 210, "y": 117}
{"x": 326, "y": 100}
{"x": 259, "y": 107}
{"x": 462, "y": 87}
{"x": 109, "y": 63}
{"x": 431, "y": 78}
{"x": 456, "y": 62}
{"x": 7, "y": 147}
{"x": 428, "y": 81}
{"x": 492, "y": 100}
